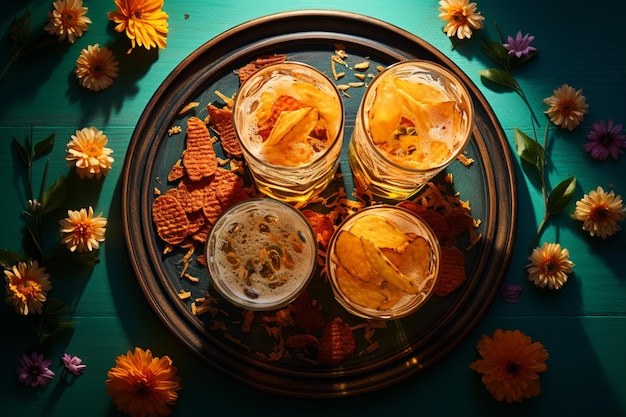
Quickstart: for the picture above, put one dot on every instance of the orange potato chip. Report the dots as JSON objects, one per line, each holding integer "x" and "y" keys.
{"x": 176, "y": 172}
{"x": 322, "y": 225}
{"x": 191, "y": 194}
{"x": 222, "y": 120}
{"x": 170, "y": 219}
{"x": 451, "y": 271}
{"x": 211, "y": 206}
{"x": 246, "y": 71}
{"x": 199, "y": 157}
{"x": 196, "y": 221}
{"x": 229, "y": 188}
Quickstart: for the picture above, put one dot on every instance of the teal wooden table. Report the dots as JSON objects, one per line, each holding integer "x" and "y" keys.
{"x": 582, "y": 325}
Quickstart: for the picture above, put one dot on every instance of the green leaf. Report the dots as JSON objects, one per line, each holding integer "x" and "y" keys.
{"x": 53, "y": 307}
{"x": 530, "y": 150}
{"x": 22, "y": 152}
{"x": 561, "y": 195}
{"x": 55, "y": 328}
{"x": 496, "y": 51}
{"x": 516, "y": 62}
{"x": 45, "y": 146}
{"x": 8, "y": 258}
{"x": 54, "y": 197}
{"x": 499, "y": 77}
{"x": 19, "y": 30}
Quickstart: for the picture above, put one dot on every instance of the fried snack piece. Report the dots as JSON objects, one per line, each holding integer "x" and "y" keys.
{"x": 307, "y": 313}
{"x": 336, "y": 344}
{"x": 386, "y": 269}
{"x": 322, "y": 226}
{"x": 176, "y": 172}
{"x": 351, "y": 255}
{"x": 246, "y": 71}
{"x": 170, "y": 219}
{"x": 451, "y": 271}
{"x": 222, "y": 121}
{"x": 382, "y": 232}
{"x": 199, "y": 157}
{"x": 191, "y": 194}
{"x": 363, "y": 293}
{"x": 228, "y": 188}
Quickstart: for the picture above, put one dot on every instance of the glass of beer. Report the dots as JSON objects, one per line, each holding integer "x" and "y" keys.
{"x": 289, "y": 120}
{"x": 415, "y": 118}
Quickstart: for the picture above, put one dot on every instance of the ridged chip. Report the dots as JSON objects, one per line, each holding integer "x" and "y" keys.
{"x": 191, "y": 194}
{"x": 222, "y": 120}
{"x": 451, "y": 271}
{"x": 176, "y": 172}
{"x": 170, "y": 219}
{"x": 246, "y": 71}
{"x": 281, "y": 104}
{"x": 199, "y": 157}
{"x": 196, "y": 221}
{"x": 211, "y": 206}
{"x": 228, "y": 188}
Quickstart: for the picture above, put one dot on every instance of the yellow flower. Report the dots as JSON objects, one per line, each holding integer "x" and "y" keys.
{"x": 600, "y": 211}
{"x": 510, "y": 365}
{"x": 143, "y": 21}
{"x": 82, "y": 231}
{"x": 567, "y": 107}
{"x": 86, "y": 151}
{"x": 68, "y": 20}
{"x": 96, "y": 67}
{"x": 461, "y": 16}
{"x": 143, "y": 386}
{"x": 27, "y": 287}
{"x": 549, "y": 266}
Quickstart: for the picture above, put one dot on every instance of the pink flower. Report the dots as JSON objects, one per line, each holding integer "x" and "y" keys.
{"x": 33, "y": 370}
{"x": 520, "y": 45}
{"x": 604, "y": 140}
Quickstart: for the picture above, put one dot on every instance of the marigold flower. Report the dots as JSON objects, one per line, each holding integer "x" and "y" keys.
{"x": 81, "y": 231}
{"x": 549, "y": 266}
{"x": 142, "y": 385}
{"x": 600, "y": 211}
{"x": 605, "y": 139}
{"x": 520, "y": 45}
{"x": 73, "y": 364}
{"x": 33, "y": 370}
{"x": 87, "y": 152}
{"x": 461, "y": 17}
{"x": 68, "y": 20}
{"x": 27, "y": 287}
{"x": 143, "y": 21}
{"x": 96, "y": 67}
{"x": 567, "y": 107}
{"x": 510, "y": 365}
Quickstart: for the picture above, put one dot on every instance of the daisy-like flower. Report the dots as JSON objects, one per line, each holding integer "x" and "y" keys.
{"x": 520, "y": 45}
{"x": 567, "y": 107}
{"x": 81, "y": 231}
{"x": 33, "y": 370}
{"x": 73, "y": 364}
{"x": 96, "y": 67}
{"x": 142, "y": 385}
{"x": 87, "y": 152}
{"x": 68, "y": 20}
{"x": 27, "y": 287}
{"x": 143, "y": 21}
{"x": 510, "y": 365}
{"x": 549, "y": 266}
{"x": 600, "y": 211}
{"x": 461, "y": 17}
{"x": 604, "y": 140}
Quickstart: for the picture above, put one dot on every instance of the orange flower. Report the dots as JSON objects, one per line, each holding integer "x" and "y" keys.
{"x": 143, "y": 386}
{"x": 461, "y": 17}
{"x": 510, "y": 365}
{"x": 567, "y": 107}
{"x": 82, "y": 231}
{"x": 96, "y": 67}
{"x": 27, "y": 287}
{"x": 88, "y": 153}
{"x": 68, "y": 20}
{"x": 600, "y": 211}
{"x": 143, "y": 21}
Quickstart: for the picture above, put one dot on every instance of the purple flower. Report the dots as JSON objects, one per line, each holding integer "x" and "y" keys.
{"x": 33, "y": 370}
{"x": 605, "y": 139}
{"x": 511, "y": 293}
{"x": 73, "y": 364}
{"x": 520, "y": 45}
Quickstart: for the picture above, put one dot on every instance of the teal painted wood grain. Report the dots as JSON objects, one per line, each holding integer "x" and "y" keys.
{"x": 583, "y": 326}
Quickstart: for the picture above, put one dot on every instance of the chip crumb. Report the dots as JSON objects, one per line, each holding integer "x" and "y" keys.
{"x": 188, "y": 107}
{"x": 465, "y": 160}
{"x": 184, "y": 295}
{"x": 157, "y": 191}
{"x": 362, "y": 66}
{"x": 174, "y": 130}
{"x": 360, "y": 76}
{"x": 356, "y": 84}
{"x": 449, "y": 178}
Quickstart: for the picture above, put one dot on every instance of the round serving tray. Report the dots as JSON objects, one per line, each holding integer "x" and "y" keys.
{"x": 404, "y": 347}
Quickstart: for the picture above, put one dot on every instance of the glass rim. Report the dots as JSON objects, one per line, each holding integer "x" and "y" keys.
{"x": 326, "y": 79}
{"x": 431, "y": 66}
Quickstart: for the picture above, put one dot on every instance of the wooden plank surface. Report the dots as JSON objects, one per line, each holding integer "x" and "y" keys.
{"x": 583, "y": 326}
